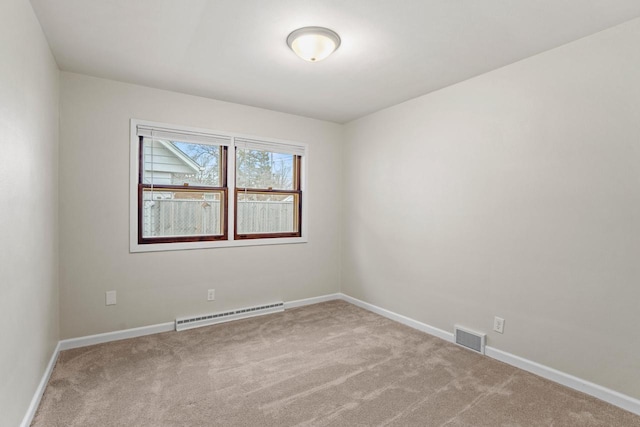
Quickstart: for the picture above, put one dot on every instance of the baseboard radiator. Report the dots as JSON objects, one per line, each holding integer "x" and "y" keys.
{"x": 470, "y": 339}
{"x": 184, "y": 323}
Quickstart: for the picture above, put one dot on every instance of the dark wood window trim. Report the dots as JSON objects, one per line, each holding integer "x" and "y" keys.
{"x": 296, "y": 191}
{"x": 202, "y": 189}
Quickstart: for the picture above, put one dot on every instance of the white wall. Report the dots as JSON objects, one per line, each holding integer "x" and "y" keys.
{"x": 517, "y": 194}
{"x": 28, "y": 210}
{"x": 156, "y": 287}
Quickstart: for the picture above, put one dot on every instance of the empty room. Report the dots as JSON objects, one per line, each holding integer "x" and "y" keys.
{"x": 320, "y": 213}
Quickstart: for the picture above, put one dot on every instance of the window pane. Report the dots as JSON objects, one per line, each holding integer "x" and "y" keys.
{"x": 181, "y": 213}
{"x": 178, "y": 163}
{"x": 267, "y": 213}
{"x": 264, "y": 170}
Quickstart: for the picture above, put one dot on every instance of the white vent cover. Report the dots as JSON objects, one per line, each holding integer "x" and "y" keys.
{"x": 184, "y": 323}
{"x": 470, "y": 339}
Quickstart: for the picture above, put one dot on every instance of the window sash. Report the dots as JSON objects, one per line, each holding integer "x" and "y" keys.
{"x": 224, "y": 214}
{"x": 297, "y": 214}
{"x": 296, "y": 192}
{"x": 222, "y": 190}
{"x": 148, "y": 163}
{"x": 297, "y": 178}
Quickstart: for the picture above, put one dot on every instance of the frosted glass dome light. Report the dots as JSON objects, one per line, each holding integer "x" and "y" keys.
{"x": 313, "y": 44}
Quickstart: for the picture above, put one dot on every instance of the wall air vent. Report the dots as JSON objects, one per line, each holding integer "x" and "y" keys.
{"x": 470, "y": 339}
{"x": 184, "y": 323}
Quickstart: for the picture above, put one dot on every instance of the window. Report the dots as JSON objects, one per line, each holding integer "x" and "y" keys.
{"x": 268, "y": 191}
{"x": 182, "y": 188}
{"x": 196, "y": 189}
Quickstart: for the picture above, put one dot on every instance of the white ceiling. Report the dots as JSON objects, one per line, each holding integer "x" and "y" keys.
{"x": 235, "y": 50}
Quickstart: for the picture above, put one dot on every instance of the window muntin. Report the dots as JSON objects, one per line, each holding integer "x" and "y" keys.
{"x": 267, "y": 195}
{"x": 182, "y": 194}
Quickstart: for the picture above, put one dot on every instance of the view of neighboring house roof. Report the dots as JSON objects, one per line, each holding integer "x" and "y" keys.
{"x": 180, "y": 155}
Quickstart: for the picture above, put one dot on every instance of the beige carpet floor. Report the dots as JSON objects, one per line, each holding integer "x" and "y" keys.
{"x": 329, "y": 364}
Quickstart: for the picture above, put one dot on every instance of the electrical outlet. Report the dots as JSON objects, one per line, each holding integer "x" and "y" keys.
{"x": 110, "y": 298}
{"x": 211, "y": 294}
{"x": 498, "y": 324}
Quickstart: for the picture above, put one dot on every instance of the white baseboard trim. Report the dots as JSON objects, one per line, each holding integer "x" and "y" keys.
{"x": 447, "y": 336}
{"x": 611, "y": 396}
{"x": 314, "y": 300}
{"x": 116, "y": 335}
{"x": 37, "y": 396}
{"x": 165, "y": 327}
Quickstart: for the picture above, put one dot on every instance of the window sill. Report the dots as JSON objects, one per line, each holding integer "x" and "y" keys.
{"x": 135, "y": 247}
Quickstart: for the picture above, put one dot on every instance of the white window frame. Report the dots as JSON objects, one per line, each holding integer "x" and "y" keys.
{"x": 134, "y": 165}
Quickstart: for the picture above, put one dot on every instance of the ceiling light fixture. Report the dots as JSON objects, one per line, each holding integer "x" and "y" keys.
{"x": 313, "y": 44}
